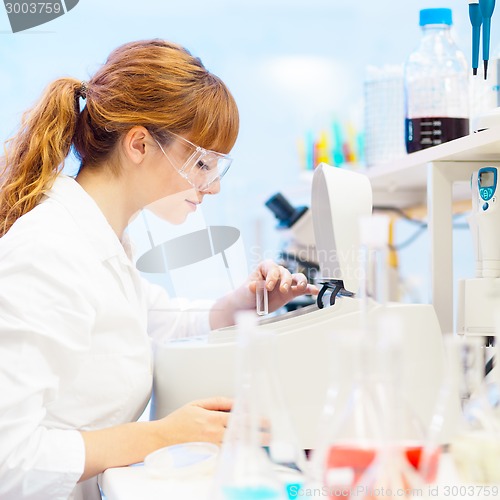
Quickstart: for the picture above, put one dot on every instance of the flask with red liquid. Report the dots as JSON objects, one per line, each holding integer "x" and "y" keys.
{"x": 375, "y": 426}
{"x": 365, "y": 392}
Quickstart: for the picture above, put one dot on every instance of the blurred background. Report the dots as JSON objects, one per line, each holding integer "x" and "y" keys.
{"x": 297, "y": 70}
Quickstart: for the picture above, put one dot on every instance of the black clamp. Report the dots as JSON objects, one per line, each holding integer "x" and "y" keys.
{"x": 337, "y": 288}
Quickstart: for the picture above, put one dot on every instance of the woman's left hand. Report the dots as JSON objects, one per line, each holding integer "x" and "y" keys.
{"x": 281, "y": 285}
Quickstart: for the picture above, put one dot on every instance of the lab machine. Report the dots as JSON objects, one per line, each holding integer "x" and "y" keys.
{"x": 195, "y": 368}
{"x": 478, "y": 297}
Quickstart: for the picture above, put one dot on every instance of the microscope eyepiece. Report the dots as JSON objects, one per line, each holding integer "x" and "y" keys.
{"x": 286, "y": 214}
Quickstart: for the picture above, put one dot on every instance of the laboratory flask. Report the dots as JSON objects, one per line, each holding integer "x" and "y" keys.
{"x": 358, "y": 418}
{"x": 394, "y": 471}
{"x": 476, "y": 445}
{"x": 260, "y": 458}
{"x": 436, "y": 85}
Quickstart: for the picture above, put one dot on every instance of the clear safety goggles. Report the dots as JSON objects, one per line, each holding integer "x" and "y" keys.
{"x": 203, "y": 166}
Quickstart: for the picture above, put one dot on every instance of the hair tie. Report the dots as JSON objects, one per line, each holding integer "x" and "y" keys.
{"x": 82, "y": 91}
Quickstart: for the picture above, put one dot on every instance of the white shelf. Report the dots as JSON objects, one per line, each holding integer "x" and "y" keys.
{"x": 431, "y": 177}
{"x": 403, "y": 183}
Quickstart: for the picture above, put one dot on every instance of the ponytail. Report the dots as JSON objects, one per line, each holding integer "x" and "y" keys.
{"x": 153, "y": 83}
{"x": 35, "y": 155}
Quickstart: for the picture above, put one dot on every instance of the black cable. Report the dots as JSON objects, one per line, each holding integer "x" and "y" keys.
{"x": 409, "y": 240}
{"x": 401, "y": 213}
{"x": 422, "y": 225}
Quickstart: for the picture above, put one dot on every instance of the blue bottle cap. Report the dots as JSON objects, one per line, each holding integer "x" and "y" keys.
{"x": 435, "y": 16}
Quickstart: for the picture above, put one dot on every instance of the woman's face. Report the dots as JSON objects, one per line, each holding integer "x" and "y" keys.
{"x": 169, "y": 194}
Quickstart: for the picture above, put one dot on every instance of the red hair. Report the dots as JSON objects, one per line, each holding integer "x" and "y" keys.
{"x": 152, "y": 83}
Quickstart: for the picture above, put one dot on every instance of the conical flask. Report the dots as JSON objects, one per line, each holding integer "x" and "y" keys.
{"x": 352, "y": 431}
{"x": 349, "y": 430}
{"x": 384, "y": 344}
{"x": 393, "y": 473}
{"x": 244, "y": 470}
{"x": 281, "y": 440}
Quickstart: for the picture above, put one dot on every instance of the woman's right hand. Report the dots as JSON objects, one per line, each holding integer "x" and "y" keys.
{"x": 125, "y": 444}
{"x": 201, "y": 420}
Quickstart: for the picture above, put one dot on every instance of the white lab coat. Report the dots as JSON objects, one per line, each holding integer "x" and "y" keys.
{"x": 74, "y": 346}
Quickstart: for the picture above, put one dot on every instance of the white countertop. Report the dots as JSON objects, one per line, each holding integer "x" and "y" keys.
{"x": 133, "y": 483}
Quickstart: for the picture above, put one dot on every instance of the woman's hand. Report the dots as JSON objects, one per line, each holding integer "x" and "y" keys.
{"x": 201, "y": 420}
{"x": 125, "y": 444}
{"x": 282, "y": 287}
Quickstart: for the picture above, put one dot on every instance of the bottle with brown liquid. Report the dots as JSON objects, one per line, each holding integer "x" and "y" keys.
{"x": 436, "y": 85}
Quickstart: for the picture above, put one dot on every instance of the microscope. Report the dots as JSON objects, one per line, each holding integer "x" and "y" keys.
{"x": 298, "y": 253}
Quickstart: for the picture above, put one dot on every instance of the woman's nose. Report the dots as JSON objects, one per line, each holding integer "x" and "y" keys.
{"x": 212, "y": 188}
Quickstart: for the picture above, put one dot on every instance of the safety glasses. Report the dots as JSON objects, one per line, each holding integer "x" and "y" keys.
{"x": 202, "y": 167}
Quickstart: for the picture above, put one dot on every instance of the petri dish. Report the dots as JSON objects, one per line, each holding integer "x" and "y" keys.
{"x": 186, "y": 460}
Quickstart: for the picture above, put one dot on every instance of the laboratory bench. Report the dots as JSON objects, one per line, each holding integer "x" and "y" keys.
{"x": 132, "y": 483}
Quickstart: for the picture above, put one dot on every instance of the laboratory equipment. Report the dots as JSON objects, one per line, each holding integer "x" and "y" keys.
{"x": 295, "y": 224}
{"x": 261, "y": 298}
{"x": 486, "y": 7}
{"x": 383, "y": 114}
{"x": 394, "y": 470}
{"x": 182, "y": 461}
{"x": 215, "y": 165}
{"x": 339, "y": 197}
{"x": 436, "y": 85}
{"x": 244, "y": 471}
{"x": 376, "y": 430}
{"x": 476, "y": 445}
{"x": 476, "y": 19}
{"x": 478, "y": 297}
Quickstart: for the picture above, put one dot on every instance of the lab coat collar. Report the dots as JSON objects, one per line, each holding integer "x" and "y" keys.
{"x": 88, "y": 216}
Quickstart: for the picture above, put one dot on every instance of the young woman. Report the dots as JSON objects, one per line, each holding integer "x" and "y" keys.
{"x": 75, "y": 316}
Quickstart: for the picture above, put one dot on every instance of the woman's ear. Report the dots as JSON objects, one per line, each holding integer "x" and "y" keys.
{"x": 135, "y": 144}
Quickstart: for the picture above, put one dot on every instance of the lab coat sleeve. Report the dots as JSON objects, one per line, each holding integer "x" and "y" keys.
{"x": 44, "y": 328}
{"x": 170, "y": 319}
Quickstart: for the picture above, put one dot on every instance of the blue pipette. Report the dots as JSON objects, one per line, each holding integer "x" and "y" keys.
{"x": 476, "y": 19}
{"x": 487, "y": 7}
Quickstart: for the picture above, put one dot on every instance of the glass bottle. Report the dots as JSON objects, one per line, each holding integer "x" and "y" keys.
{"x": 436, "y": 85}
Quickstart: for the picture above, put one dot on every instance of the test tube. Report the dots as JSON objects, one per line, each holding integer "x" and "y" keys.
{"x": 261, "y": 298}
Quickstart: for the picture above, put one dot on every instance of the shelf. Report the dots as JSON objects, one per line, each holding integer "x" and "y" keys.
{"x": 403, "y": 183}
